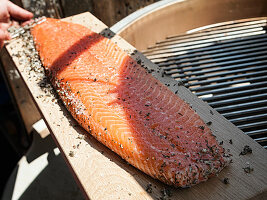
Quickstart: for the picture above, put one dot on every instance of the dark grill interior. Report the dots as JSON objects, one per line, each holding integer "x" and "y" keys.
{"x": 226, "y": 65}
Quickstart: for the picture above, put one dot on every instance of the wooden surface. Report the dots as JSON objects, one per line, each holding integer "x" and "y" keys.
{"x": 27, "y": 109}
{"x": 104, "y": 175}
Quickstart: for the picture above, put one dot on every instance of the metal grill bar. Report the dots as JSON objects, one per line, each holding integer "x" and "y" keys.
{"x": 245, "y": 112}
{"x": 252, "y": 125}
{"x": 211, "y": 34}
{"x": 223, "y": 74}
{"x": 205, "y": 82}
{"x": 256, "y": 132}
{"x": 222, "y": 26}
{"x": 212, "y": 51}
{"x": 233, "y": 89}
{"x": 230, "y": 24}
{"x": 225, "y": 65}
{"x": 249, "y": 118}
{"x": 261, "y": 140}
{"x": 242, "y": 106}
{"x": 198, "y": 50}
{"x": 228, "y": 83}
{"x": 222, "y": 56}
{"x": 208, "y": 42}
{"x": 238, "y": 100}
{"x": 210, "y": 46}
{"x": 213, "y": 38}
{"x": 235, "y": 94}
{"x": 233, "y": 64}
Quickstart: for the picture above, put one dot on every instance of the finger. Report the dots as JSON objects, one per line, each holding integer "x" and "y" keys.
{"x": 1, "y": 44}
{"x": 5, "y": 26}
{"x": 27, "y": 22}
{"x": 15, "y": 23}
{"x": 4, "y": 15}
{"x": 18, "y": 13}
{"x": 4, "y": 35}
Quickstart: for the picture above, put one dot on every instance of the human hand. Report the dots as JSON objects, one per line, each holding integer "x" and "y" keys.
{"x": 10, "y": 14}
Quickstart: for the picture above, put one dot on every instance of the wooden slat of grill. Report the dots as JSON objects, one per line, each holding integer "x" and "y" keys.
{"x": 104, "y": 175}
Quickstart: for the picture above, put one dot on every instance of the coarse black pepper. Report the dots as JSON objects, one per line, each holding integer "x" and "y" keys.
{"x": 248, "y": 169}
{"x": 246, "y": 150}
{"x": 226, "y": 181}
{"x": 71, "y": 154}
{"x": 209, "y": 123}
{"x": 149, "y": 188}
{"x": 165, "y": 193}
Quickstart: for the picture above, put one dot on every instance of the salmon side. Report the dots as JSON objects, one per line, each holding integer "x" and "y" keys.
{"x": 125, "y": 107}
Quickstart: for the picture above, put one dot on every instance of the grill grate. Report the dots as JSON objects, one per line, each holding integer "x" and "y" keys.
{"x": 226, "y": 65}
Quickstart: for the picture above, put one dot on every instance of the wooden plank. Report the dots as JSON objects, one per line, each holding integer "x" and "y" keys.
{"x": 27, "y": 109}
{"x": 104, "y": 175}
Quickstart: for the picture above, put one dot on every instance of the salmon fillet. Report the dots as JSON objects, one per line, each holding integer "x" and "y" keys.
{"x": 125, "y": 107}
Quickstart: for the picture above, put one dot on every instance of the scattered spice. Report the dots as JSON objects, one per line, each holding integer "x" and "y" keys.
{"x": 81, "y": 137}
{"x": 149, "y": 188}
{"x": 209, "y": 123}
{"x": 226, "y": 181}
{"x": 230, "y": 141}
{"x": 71, "y": 154}
{"x": 134, "y": 52}
{"x": 180, "y": 83}
{"x": 165, "y": 156}
{"x": 165, "y": 193}
{"x": 211, "y": 112}
{"x": 246, "y": 150}
{"x": 248, "y": 168}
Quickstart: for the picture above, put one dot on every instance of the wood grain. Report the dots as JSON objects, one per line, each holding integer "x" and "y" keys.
{"x": 23, "y": 99}
{"x": 104, "y": 175}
